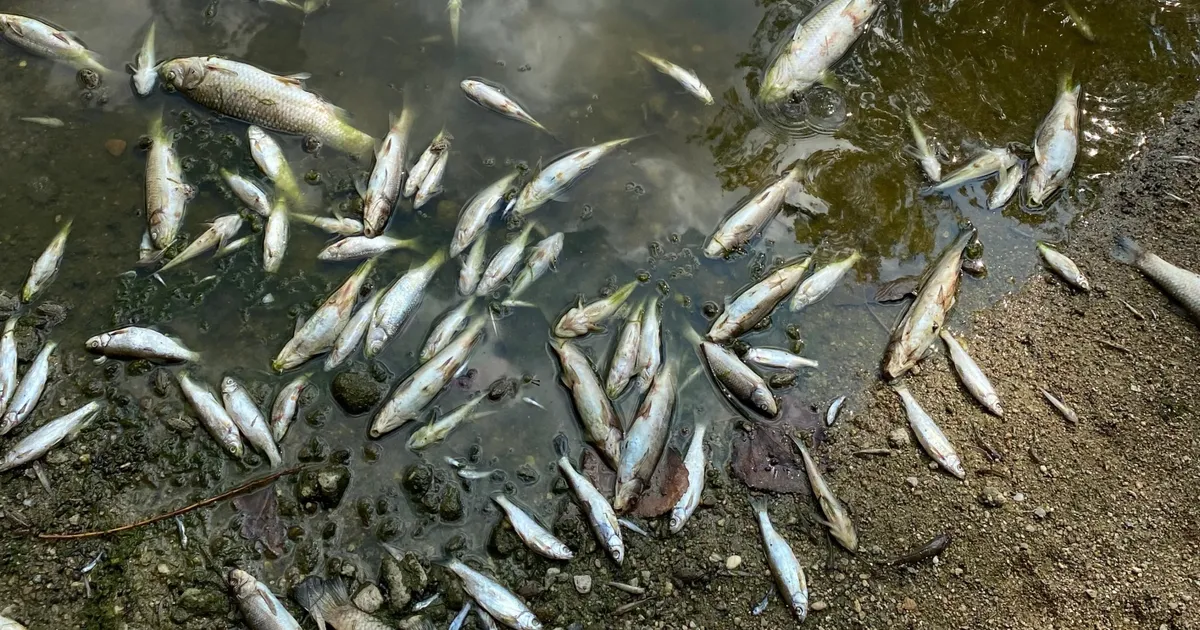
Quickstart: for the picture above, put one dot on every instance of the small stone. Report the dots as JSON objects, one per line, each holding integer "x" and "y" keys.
{"x": 164, "y": 569}
{"x": 1040, "y": 512}
{"x": 908, "y": 605}
{"x": 733, "y": 562}
{"x": 899, "y": 438}
{"x": 991, "y": 497}
{"x": 115, "y": 146}
{"x": 912, "y": 481}
{"x": 369, "y": 599}
{"x": 583, "y": 584}
{"x": 818, "y": 606}
{"x": 415, "y": 622}
{"x": 1018, "y": 497}
{"x": 1091, "y": 592}
{"x": 714, "y": 557}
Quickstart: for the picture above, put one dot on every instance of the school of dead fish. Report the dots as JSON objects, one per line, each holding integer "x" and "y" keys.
{"x": 640, "y": 363}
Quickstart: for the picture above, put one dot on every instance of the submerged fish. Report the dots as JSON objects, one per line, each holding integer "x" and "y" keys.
{"x": 45, "y": 121}
{"x": 1055, "y": 145}
{"x": 836, "y": 519}
{"x": 383, "y": 188}
{"x": 756, "y": 302}
{"x": 646, "y": 439}
{"x": 686, "y": 78}
{"x": 496, "y": 98}
{"x": 355, "y": 247}
{"x": 46, "y": 266}
{"x": 321, "y": 329}
{"x": 625, "y": 354}
{"x": 420, "y": 170}
{"x": 268, "y": 155}
{"x": 925, "y": 155}
{"x": 249, "y": 193}
{"x": 815, "y": 44}
{"x": 583, "y": 319}
{"x": 503, "y": 262}
{"x": 275, "y": 236}
{"x": 971, "y": 375}
{"x": 166, "y": 192}
{"x": 249, "y": 419}
{"x": 818, "y": 285}
{"x": 558, "y": 176}
{"x": 1064, "y": 267}
{"x": 35, "y": 445}
{"x": 437, "y": 430}
{"x": 531, "y": 532}
{"x": 329, "y": 603}
{"x": 1181, "y": 284}
{"x": 789, "y": 575}
{"x": 218, "y": 235}
{"x": 736, "y": 229}
{"x": 29, "y": 391}
{"x": 472, "y": 267}
{"x": 454, "y": 8}
{"x": 600, "y": 513}
{"x": 738, "y": 379}
{"x": 543, "y": 258}
{"x": 474, "y": 216}
{"x": 778, "y": 359}
{"x": 145, "y": 74}
{"x": 1006, "y": 186}
{"x": 498, "y": 601}
{"x": 694, "y": 464}
{"x": 399, "y": 301}
{"x": 281, "y": 103}
{"x": 449, "y": 325}
{"x": 140, "y": 343}
{"x": 930, "y": 435}
{"x": 601, "y": 426}
{"x": 263, "y": 611}
{"x": 287, "y": 403}
{"x": 927, "y": 313}
{"x": 212, "y": 414}
{"x": 985, "y": 164}
{"x": 42, "y": 39}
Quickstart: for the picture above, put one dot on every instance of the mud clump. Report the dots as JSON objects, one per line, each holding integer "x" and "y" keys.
{"x": 323, "y": 487}
{"x": 356, "y": 391}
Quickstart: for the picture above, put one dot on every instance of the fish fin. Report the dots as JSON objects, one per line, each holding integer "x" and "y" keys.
{"x": 562, "y": 197}
{"x": 360, "y": 185}
{"x": 519, "y": 304}
{"x": 758, "y": 504}
{"x": 1128, "y": 251}
{"x": 217, "y": 68}
{"x": 320, "y": 597}
{"x": 597, "y": 328}
{"x": 62, "y": 37}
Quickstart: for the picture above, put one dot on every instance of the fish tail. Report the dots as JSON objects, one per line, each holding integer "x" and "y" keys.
{"x": 157, "y": 131}
{"x": 758, "y": 504}
{"x": 320, "y": 597}
{"x": 624, "y": 292}
{"x": 1128, "y": 251}
{"x": 1066, "y": 83}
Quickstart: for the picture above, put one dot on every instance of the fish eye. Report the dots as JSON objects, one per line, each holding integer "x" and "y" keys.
{"x": 171, "y": 75}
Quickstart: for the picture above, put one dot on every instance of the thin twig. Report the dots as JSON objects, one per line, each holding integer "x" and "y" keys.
{"x": 1136, "y": 313}
{"x": 253, "y": 484}
{"x": 1114, "y": 346}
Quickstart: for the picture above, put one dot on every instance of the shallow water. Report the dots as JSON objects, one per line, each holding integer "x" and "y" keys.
{"x": 975, "y": 74}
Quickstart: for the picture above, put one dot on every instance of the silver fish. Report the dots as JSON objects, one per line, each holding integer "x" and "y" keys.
{"x": 8, "y": 363}
{"x": 600, "y": 513}
{"x": 535, "y": 536}
{"x": 147, "y": 255}
{"x": 930, "y": 435}
{"x": 29, "y": 391}
{"x": 740, "y": 381}
{"x": 461, "y": 617}
{"x": 249, "y": 193}
{"x": 985, "y": 164}
{"x": 217, "y": 236}
{"x": 836, "y": 519}
{"x": 625, "y": 354}
{"x": 835, "y": 408}
{"x": 398, "y": 302}
{"x": 275, "y": 237}
{"x": 543, "y": 258}
{"x": 166, "y": 192}
{"x": 927, "y": 313}
{"x": 503, "y": 262}
{"x": 145, "y": 74}
{"x": 353, "y": 333}
{"x": 475, "y": 215}
{"x": 268, "y": 155}
{"x": 757, "y": 302}
{"x": 263, "y": 611}
{"x": 9, "y": 624}
{"x": 925, "y": 155}
{"x": 694, "y": 463}
{"x": 355, "y": 247}
{"x": 437, "y": 430}
{"x": 601, "y": 426}
{"x": 649, "y": 356}
{"x": 42, "y": 39}
{"x": 971, "y": 376}
{"x": 45, "y": 121}
{"x": 583, "y": 319}
{"x": 250, "y": 420}
{"x": 822, "y": 281}
{"x": 423, "y": 385}
{"x": 1181, "y": 284}
{"x": 1055, "y": 145}
{"x": 789, "y": 574}
{"x": 431, "y": 186}
{"x": 212, "y": 414}
{"x": 383, "y": 188}
{"x": 817, "y": 42}
{"x": 1068, "y": 414}
{"x": 454, "y": 8}
{"x": 439, "y": 145}
{"x": 495, "y": 98}
{"x": 1064, "y": 267}
{"x": 321, "y": 329}
{"x": 449, "y": 325}
{"x": 558, "y": 176}
{"x": 736, "y": 229}
{"x": 35, "y": 445}
{"x": 646, "y": 439}
{"x": 140, "y": 343}
{"x": 46, "y": 266}
{"x": 271, "y": 101}
{"x": 686, "y": 78}
{"x": 498, "y": 601}
{"x": 472, "y": 267}
{"x": 341, "y": 226}
{"x": 778, "y": 359}
{"x": 287, "y": 403}
{"x": 1006, "y": 186}
{"x": 329, "y": 603}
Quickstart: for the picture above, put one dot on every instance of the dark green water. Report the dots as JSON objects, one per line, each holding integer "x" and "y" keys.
{"x": 976, "y": 74}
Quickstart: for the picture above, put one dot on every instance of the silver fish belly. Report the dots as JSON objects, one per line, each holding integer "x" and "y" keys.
{"x": 971, "y": 375}
{"x": 140, "y": 343}
{"x": 35, "y": 445}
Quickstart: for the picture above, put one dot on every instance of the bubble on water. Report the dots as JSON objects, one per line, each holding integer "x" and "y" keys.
{"x": 826, "y": 108}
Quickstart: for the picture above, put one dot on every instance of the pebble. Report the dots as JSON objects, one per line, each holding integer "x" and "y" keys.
{"x": 908, "y": 605}
{"x": 583, "y": 584}
{"x": 913, "y": 481}
{"x": 115, "y": 147}
{"x": 369, "y": 599}
{"x": 1018, "y": 497}
{"x": 991, "y": 497}
{"x": 1040, "y": 512}
{"x": 714, "y": 557}
{"x": 899, "y": 438}
{"x": 733, "y": 562}
{"x": 164, "y": 569}
{"x": 818, "y": 606}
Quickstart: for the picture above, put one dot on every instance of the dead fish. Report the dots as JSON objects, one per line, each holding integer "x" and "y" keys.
{"x": 166, "y": 192}
{"x": 739, "y": 380}
{"x": 275, "y": 236}
{"x": 930, "y": 435}
{"x": 328, "y": 602}
{"x": 814, "y": 45}
{"x": 582, "y": 320}
{"x": 449, "y": 324}
{"x": 971, "y": 375}
{"x": 694, "y": 463}
{"x": 818, "y": 285}
{"x": 478, "y": 211}
{"x": 29, "y": 391}
{"x": 440, "y": 144}
{"x": 341, "y": 226}
{"x": 268, "y": 155}
{"x": 218, "y": 235}
{"x": 498, "y": 601}
{"x": 496, "y": 98}
{"x": 601, "y": 426}
{"x": 789, "y": 574}
{"x": 736, "y": 229}
{"x": 46, "y": 266}
{"x": 352, "y": 333}
{"x": 287, "y": 403}
{"x": 836, "y": 519}
{"x": 624, "y": 361}
{"x": 600, "y": 513}
{"x": 543, "y": 258}
{"x": 319, "y": 332}
{"x": 925, "y": 155}
{"x": 35, "y": 445}
{"x": 140, "y": 343}
{"x": 1181, "y": 284}
{"x": 8, "y": 363}
{"x": 399, "y": 301}
{"x": 39, "y": 38}
{"x": 356, "y": 247}
{"x": 437, "y": 430}
{"x": 649, "y": 354}
{"x": 1067, "y": 413}
{"x": 212, "y": 414}
{"x": 250, "y": 420}
{"x": 263, "y": 611}
{"x": 686, "y": 78}
{"x": 145, "y": 72}
{"x": 1006, "y": 186}
{"x": 248, "y": 192}
{"x": 1064, "y": 267}
{"x": 553, "y": 181}
{"x": 454, "y": 8}
{"x": 1055, "y": 144}
{"x": 45, "y": 121}
{"x": 985, "y": 164}
{"x": 503, "y": 262}
{"x": 387, "y": 176}
{"x": 646, "y": 439}
{"x": 777, "y": 359}
{"x": 472, "y": 267}
{"x": 756, "y": 302}
{"x": 535, "y": 536}
{"x": 431, "y": 186}
{"x": 933, "y": 548}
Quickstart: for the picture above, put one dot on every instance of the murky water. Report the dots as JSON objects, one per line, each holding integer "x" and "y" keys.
{"x": 976, "y": 74}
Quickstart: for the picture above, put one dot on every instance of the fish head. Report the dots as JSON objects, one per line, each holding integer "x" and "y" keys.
{"x": 183, "y": 74}
{"x": 954, "y": 466}
{"x": 228, "y": 385}
{"x": 574, "y": 324}
{"x": 528, "y": 620}
{"x": 241, "y": 583}
{"x": 764, "y": 401}
{"x": 1038, "y": 186}
{"x": 99, "y": 342}
{"x": 677, "y": 522}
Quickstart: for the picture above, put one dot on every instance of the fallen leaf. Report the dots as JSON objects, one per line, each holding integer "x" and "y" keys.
{"x": 667, "y": 485}
{"x": 115, "y": 147}
{"x": 765, "y": 458}
{"x": 896, "y": 290}
{"x": 260, "y": 519}
{"x": 597, "y": 472}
